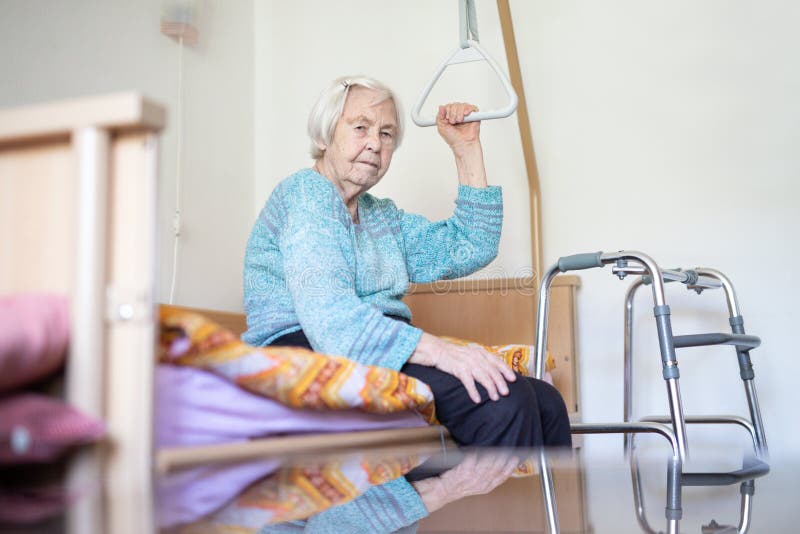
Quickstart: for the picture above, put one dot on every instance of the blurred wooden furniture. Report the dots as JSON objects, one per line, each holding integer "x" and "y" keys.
{"x": 78, "y": 217}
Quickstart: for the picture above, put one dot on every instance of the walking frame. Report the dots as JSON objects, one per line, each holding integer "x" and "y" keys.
{"x": 672, "y": 427}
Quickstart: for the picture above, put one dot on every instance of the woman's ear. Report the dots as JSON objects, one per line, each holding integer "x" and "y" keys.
{"x": 320, "y": 145}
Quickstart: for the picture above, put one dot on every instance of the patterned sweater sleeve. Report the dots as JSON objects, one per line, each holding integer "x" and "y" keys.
{"x": 319, "y": 274}
{"x": 457, "y": 246}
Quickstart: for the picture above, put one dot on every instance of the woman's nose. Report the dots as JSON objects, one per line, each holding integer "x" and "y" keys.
{"x": 373, "y": 140}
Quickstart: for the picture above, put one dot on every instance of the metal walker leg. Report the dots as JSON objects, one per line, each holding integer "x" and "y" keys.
{"x": 700, "y": 280}
{"x": 676, "y": 480}
{"x": 745, "y": 364}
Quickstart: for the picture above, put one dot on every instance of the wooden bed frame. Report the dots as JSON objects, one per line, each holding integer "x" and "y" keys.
{"x": 78, "y": 217}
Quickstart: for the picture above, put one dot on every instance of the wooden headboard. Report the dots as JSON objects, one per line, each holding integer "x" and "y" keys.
{"x": 503, "y": 311}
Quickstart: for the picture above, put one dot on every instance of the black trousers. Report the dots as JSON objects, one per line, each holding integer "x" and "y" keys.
{"x": 533, "y": 414}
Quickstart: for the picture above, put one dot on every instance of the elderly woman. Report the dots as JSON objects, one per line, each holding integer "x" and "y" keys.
{"x": 327, "y": 265}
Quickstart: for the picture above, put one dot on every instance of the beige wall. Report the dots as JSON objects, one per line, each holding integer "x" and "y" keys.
{"x": 53, "y": 50}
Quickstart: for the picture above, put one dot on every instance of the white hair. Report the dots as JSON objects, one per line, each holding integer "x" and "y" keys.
{"x": 328, "y": 109}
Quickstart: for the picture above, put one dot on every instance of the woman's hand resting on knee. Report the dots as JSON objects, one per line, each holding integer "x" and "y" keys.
{"x": 470, "y": 364}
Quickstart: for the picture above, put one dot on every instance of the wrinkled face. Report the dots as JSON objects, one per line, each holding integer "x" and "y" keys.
{"x": 363, "y": 141}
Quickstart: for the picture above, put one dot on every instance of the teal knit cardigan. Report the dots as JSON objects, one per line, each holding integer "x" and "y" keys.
{"x": 308, "y": 266}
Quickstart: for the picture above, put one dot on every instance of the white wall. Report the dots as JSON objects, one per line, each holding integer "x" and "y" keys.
{"x": 673, "y": 130}
{"x": 54, "y": 50}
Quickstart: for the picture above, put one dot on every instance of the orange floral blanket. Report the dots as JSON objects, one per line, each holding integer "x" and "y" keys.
{"x": 300, "y": 378}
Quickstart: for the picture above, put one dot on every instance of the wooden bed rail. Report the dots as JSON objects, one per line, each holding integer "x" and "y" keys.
{"x": 173, "y": 458}
{"x": 78, "y": 217}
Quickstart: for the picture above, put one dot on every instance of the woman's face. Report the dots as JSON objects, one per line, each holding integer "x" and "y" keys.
{"x": 363, "y": 141}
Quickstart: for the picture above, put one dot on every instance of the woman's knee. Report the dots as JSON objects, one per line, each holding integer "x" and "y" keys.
{"x": 521, "y": 400}
{"x": 549, "y": 397}
{"x": 555, "y": 418}
{"x": 511, "y": 421}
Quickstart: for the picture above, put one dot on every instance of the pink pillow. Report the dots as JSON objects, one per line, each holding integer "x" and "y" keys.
{"x": 36, "y": 428}
{"x": 34, "y": 336}
{"x": 27, "y": 505}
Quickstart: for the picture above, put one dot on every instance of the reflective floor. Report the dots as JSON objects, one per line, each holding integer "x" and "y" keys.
{"x": 438, "y": 488}
{"x": 427, "y": 488}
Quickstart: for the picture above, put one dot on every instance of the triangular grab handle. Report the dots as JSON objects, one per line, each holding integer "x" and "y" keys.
{"x": 472, "y": 52}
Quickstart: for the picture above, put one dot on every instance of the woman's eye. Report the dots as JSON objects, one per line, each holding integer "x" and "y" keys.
{"x": 387, "y": 135}
{"x": 360, "y": 128}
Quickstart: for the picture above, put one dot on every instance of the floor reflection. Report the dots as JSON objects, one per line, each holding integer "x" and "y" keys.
{"x": 370, "y": 491}
{"x": 291, "y": 493}
{"x": 439, "y": 488}
{"x": 431, "y": 489}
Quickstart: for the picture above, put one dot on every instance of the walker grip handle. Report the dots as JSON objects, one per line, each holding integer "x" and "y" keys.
{"x": 577, "y": 262}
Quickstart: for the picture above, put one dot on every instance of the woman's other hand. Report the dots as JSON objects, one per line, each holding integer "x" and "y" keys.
{"x": 471, "y": 364}
{"x": 477, "y": 474}
{"x": 459, "y": 135}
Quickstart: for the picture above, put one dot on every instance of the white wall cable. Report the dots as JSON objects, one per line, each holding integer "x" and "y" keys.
{"x": 176, "y": 221}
